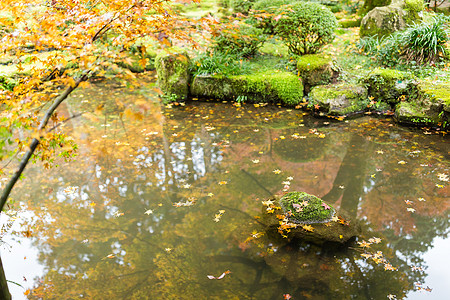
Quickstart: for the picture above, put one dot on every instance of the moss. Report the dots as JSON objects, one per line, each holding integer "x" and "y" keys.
{"x": 436, "y": 91}
{"x": 172, "y": 67}
{"x": 390, "y": 74}
{"x": 415, "y": 6}
{"x": 316, "y": 69}
{"x": 312, "y": 62}
{"x": 417, "y": 113}
{"x": 272, "y": 84}
{"x": 340, "y": 100}
{"x": 349, "y": 23}
{"x": 389, "y": 85}
{"x": 305, "y": 208}
{"x": 382, "y": 22}
{"x": 371, "y": 4}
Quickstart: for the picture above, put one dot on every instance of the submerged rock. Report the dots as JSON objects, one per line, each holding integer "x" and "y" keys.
{"x": 306, "y": 217}
{"x": 271, "y": 86}
{"x": 316, "y": 69}
{"x": 339, "y": 100}
{"x": 389, "y": 85}
{"x": 382, "y": 21}
{"x": 172, "y": 67}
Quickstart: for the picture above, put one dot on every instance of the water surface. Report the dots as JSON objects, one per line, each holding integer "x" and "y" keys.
{"x": 160, "y": 198}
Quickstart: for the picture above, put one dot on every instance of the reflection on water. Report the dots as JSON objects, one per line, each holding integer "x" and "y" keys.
{"x": 160, "y": 198}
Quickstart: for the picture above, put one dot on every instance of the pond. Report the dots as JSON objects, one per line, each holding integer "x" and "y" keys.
{"x": 166, "y": 203}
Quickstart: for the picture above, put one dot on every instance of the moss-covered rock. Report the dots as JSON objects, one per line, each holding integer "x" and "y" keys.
{"x": 389, "y": 85}
{"x": 349, "y": 23}
{"x": 303, "y": 208}
{"x": 306, "y": 217}
{"x": 437, "y": 92}
{"x": 382, "y": 21}
{"x": 431, "y": 107}
{"x": 371, "y": 4}
{"x": 172, "y": 67}
{"x": 272, "y": 86}
{"x": 339, "y": 100}
{"x": 316, "y": 69}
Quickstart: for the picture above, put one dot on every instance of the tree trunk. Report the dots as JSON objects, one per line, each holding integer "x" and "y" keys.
{"x": 4, "y": 291}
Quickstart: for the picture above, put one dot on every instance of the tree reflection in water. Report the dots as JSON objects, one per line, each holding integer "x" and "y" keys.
{"x": 133, "y": 216}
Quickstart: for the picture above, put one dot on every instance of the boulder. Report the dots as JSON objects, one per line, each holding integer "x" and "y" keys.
{"x": 431, "y": 107}
{"x": 390, "y": 86}
{"x": 272, "y": 86}
{"x": 339, "y": 100}
{"x": 316, "y": 69}
{"x": 298, "y": 215}
{"x": 371, "y": 4}
{"x": 172, "y": 67}
{"x": 385, "y": 20}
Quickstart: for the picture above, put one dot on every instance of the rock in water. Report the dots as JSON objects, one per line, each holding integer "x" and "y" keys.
{"x": 303, "y": 208}
{"x": 308, "y": 218}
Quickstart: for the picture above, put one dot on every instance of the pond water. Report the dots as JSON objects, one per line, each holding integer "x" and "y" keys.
{"x": 166, "y": 203}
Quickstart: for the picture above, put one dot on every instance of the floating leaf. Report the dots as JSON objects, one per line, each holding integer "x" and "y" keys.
{"x": 219, "y": 277}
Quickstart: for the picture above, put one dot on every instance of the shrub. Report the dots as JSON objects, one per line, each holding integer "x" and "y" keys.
{"x": 426, "y": 42}
{"x": 267, "y": 8}
{"x": 305, "y": 26}
{"x": 242, "y": 40}
{"x": 423, "y": 43}
{"x": 214, "y": 63}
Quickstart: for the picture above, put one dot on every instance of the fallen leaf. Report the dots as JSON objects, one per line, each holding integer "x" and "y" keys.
{"x": 219, "y": 277}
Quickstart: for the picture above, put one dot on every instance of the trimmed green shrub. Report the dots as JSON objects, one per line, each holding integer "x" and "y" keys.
{"x": 305, "y": 27}
{"x": 243, "y": 40}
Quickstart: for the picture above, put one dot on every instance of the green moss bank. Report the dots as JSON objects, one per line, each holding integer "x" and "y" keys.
{"x": 271, "y": 86}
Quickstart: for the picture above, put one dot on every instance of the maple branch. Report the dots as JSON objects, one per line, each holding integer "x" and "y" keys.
{"x": 64, "y": 121}
{"x": 106, "y": 27}
{"x": 35, "y": 142}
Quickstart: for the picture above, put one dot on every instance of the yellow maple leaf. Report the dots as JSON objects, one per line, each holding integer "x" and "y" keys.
{"x": 308, "y": 228}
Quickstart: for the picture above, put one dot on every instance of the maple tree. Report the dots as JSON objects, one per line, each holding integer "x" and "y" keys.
{"x": 55, "y": 47}
{"x": 52, "y": 48}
